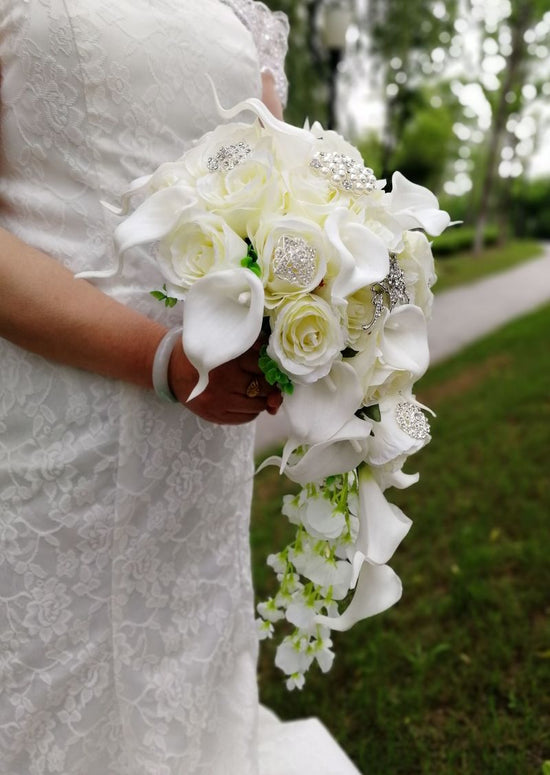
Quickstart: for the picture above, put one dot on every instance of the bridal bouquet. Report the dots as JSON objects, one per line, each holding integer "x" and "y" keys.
{"x": 266, "y": 226}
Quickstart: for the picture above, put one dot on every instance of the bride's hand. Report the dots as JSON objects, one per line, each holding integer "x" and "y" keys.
{"x": 225, "y": 399}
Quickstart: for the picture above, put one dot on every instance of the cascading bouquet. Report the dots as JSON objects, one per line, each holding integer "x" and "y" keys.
{"x": 266, "y": 226}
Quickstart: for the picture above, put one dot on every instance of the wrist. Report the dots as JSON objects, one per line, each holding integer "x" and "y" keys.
{"x": 182, "y": 375}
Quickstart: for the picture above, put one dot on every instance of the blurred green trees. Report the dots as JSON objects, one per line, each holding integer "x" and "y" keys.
{"x": 464, "y": 94}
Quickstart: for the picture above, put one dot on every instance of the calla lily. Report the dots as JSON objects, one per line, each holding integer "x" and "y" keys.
{"x": 317, "y": 411}
{"x": 363, "y": 257}
{"x": 341, "y": 453}
{"x": 151, "y": 221}
{"x": 154, "y": 218}
{"x": 222, "y": 315}
{"x": 382, "y": 526}
{"x": 390, "y": 440}
{"x": 416, "y": 206}
{"x": 391, "y": 476}
{"x": 404, "y": 341}
{"x": 378, "y": 588}
{"x": 259, "y": 109}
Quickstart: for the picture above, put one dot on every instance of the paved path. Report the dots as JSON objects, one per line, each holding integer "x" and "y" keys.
{"x": 462, "y": 315}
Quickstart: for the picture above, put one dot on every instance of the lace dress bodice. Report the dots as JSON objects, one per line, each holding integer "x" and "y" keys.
{"x": 127, "y": 635}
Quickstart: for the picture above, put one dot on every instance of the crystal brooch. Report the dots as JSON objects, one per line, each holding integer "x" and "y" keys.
{"x": 344, "y": 172}
{"x": 391, "y": 292}
{"x": 294, "y": 260}
{"x": 228, "y": 157}
{"x": 412, "y": 420}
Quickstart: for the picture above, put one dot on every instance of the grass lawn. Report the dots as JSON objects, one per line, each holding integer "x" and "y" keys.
{"x": 455, "y": 679}
{"x": 465, "y": 268}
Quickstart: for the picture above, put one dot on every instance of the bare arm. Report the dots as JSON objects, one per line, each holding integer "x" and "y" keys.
{"x": 45, "y": 310}
{"x": 270, "y": 96}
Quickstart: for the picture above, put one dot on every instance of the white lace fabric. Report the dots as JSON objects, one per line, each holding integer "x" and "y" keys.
{"x": 270, "y": 32}
{"x": 127, "y": 636}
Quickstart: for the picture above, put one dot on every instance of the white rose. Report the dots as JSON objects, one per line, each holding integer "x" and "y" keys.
{"x": 302, "y": 274}
{"x": 360, "y": 314}
{"x": 330, "y": 141}
{"x": 200, "y": 244}
{"x": 306, "y": 338}
{"x": 311, "y": 195}
{"x": 196, "y": 161}
{"x": 243, "y": 194}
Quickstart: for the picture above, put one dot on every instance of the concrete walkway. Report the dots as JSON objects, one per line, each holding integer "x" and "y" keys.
{"x": 462, "y": 315}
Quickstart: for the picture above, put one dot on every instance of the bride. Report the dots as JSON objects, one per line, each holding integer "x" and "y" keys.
{"x": 127, "y": 637}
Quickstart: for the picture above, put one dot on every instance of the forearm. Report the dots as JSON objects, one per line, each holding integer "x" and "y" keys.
{"x": 45, "y": 310}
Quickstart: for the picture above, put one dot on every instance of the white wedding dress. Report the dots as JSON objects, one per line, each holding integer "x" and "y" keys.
{"x": 127, "y": 635}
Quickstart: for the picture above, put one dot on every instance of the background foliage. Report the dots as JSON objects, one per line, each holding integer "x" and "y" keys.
{"x": 464, "y": 94}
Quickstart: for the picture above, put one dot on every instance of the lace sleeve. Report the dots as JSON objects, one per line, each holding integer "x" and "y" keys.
{"x": 270, "y": 32}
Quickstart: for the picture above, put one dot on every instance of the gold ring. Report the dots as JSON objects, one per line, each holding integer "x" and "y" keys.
{"x": 253, "y": 388}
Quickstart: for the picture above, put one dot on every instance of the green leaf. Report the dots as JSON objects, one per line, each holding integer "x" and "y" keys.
{"x": 272, "y": 372}
{"x": 250, "y": 261}
{"x": 169, "y": 301}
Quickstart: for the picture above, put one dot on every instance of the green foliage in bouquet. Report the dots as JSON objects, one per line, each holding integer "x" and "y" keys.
{"x": 169, "y": 301}
{"x": 250, "y": 261}
{"x": 273, "y": 374}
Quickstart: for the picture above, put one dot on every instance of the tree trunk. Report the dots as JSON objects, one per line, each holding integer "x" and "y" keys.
{"x": 512, "y": 79}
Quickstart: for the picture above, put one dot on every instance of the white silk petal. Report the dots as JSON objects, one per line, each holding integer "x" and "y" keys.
{"x": 382, "y": 526}
{"x": 318, "y": 410}
{"x": 222, "y": 318}
{"x": 378, "y": 588}
{"x": 341, "y": 453}
{"x": 416, "y": 206}
{"x": 363, "y": 256}
{"x": 389, "y": 441}
{"x": 398, "y": 479}
{"x": 259, "y": 109}
{"x": 404, "y": 346}
{"x": 154, "y": 218}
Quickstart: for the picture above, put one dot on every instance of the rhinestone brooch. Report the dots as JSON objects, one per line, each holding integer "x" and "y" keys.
{"x": 392, "y": 290}
{"x": 412, "y": 420}
{"x": 344, "y": 172}
{"x": 294, "y": 260}
{"x": 228, "y": 157}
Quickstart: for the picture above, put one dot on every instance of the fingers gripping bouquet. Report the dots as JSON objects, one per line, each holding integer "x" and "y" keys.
{"x": 268, "y": 226}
